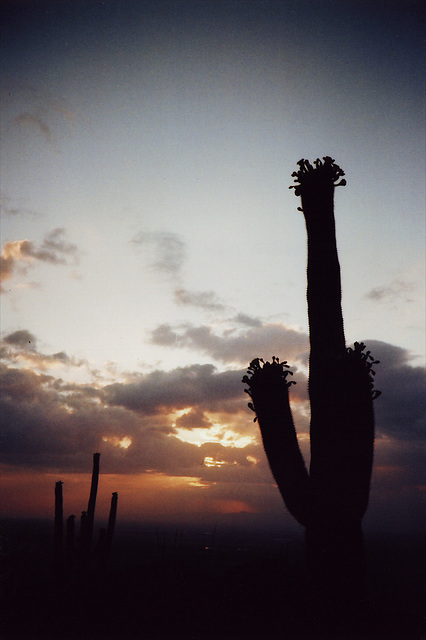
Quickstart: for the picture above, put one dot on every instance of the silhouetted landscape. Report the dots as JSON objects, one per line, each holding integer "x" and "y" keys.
{"x": 153, "y": 261}
{"x": 173, "y": 582}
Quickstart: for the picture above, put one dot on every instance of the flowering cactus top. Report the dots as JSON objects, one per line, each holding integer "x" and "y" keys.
{"x": 325, "y": 170}
{"x": 262, "y": 375}
{"x": 364, "y": 361}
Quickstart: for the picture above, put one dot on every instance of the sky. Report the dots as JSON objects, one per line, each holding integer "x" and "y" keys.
{"x": 151, "y": 247}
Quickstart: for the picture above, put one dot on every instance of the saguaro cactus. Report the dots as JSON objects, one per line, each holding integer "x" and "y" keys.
{"x": 93, "y": 494}
{"x": 111, "y": 522}
{"x": 87, "y": 520}
{"x": 331, "y": 500}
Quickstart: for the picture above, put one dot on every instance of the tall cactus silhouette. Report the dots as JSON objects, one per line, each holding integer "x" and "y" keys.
{"x": 329, "y": 501}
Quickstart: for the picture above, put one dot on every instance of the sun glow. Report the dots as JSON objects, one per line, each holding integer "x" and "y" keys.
{"x": 217, "y": 434}
{"x": 211, "y": 462}
{"x": 123, "y": 443}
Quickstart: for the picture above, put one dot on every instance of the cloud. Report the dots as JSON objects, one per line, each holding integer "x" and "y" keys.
{"x": 44, "y": 424}
{"x": 54, "y": 247}
{"x": 39, "y": 113}
{"x": 258, "y": 340}
{"x": 242, "y": 318}
{"x": 21, "y": 347}
{"x": 202, "y": 299}
{"x": 20, "y": 254}
{"x": 168, "y": 250}
{"x": 34, "y": 123}
{"x": 195, "y": 385}
{"x": 9, "y": 209}
{"x": 193, "y": 423}
{"x": 396, "y": 290}
{"x": 48, "y": 424}
{"x": 401, "y": 409}
{"x": 21, "y": 338}
{"x": 194, "y": 419}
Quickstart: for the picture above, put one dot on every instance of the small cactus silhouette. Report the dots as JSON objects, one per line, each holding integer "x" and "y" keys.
{"x": 329, "y": 501}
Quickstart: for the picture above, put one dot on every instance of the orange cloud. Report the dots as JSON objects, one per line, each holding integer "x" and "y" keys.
{"x": 19, "y": 254}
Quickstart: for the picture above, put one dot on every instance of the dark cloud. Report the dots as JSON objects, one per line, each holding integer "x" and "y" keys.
{"x": 49, "y": 424}
{"x": 19, "y": 254}
{"x": 397, "y": 289}
{"x": 258, "y": 340}
{"x": 22, "y": 338}
{"x": 183, "y": 387}
{"x": 168, "y": 249}
{"x": 22, "y": 345}
{"x": 401, "y": 409}
{"x": 203, "y": 299}
{"x": 45, "y": 427}
{"x": 194, "y": 419}
{"x": 242, "y": 318}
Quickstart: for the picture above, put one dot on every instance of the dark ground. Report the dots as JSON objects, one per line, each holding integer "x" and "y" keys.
{"x": 166, "y": 584}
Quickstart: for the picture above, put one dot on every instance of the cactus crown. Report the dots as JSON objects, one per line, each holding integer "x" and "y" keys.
{"x": 363, "y": 362}
{"x": 263, "y": 375}
{"x": 323, "y": 171}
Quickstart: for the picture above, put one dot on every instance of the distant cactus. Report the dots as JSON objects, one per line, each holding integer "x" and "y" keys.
{"x": 331, "y": 500}
{"x": 111, "y": 523}
{"x": 106, "y": 535}
{"x": 88, "y": 520}
{"x": 59, "y": 529}
{"x": 70, "y": 543}
{"x": 86, "y": 527}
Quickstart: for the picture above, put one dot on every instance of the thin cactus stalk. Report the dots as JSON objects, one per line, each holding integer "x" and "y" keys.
{"x": 87, "y": 527}
{"x": 59, "y": 528}
{"x": 111, "y": 523}
{"x": 83, "y": 532}
{"x": 331, "y": 500}
{"x": 70, "y": 540}
{"x": 93, "y": 493}
{"x": 106, "y": 535}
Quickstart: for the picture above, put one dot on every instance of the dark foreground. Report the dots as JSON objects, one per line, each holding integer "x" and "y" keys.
{"x": 176, "y": 584}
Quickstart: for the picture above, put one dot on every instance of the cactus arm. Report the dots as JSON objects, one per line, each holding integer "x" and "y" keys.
{"x": 356, "y": 391}
{"x": 268, "y": 389}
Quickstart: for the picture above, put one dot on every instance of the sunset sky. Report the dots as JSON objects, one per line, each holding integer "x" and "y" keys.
{"x": 151, "y": 247}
